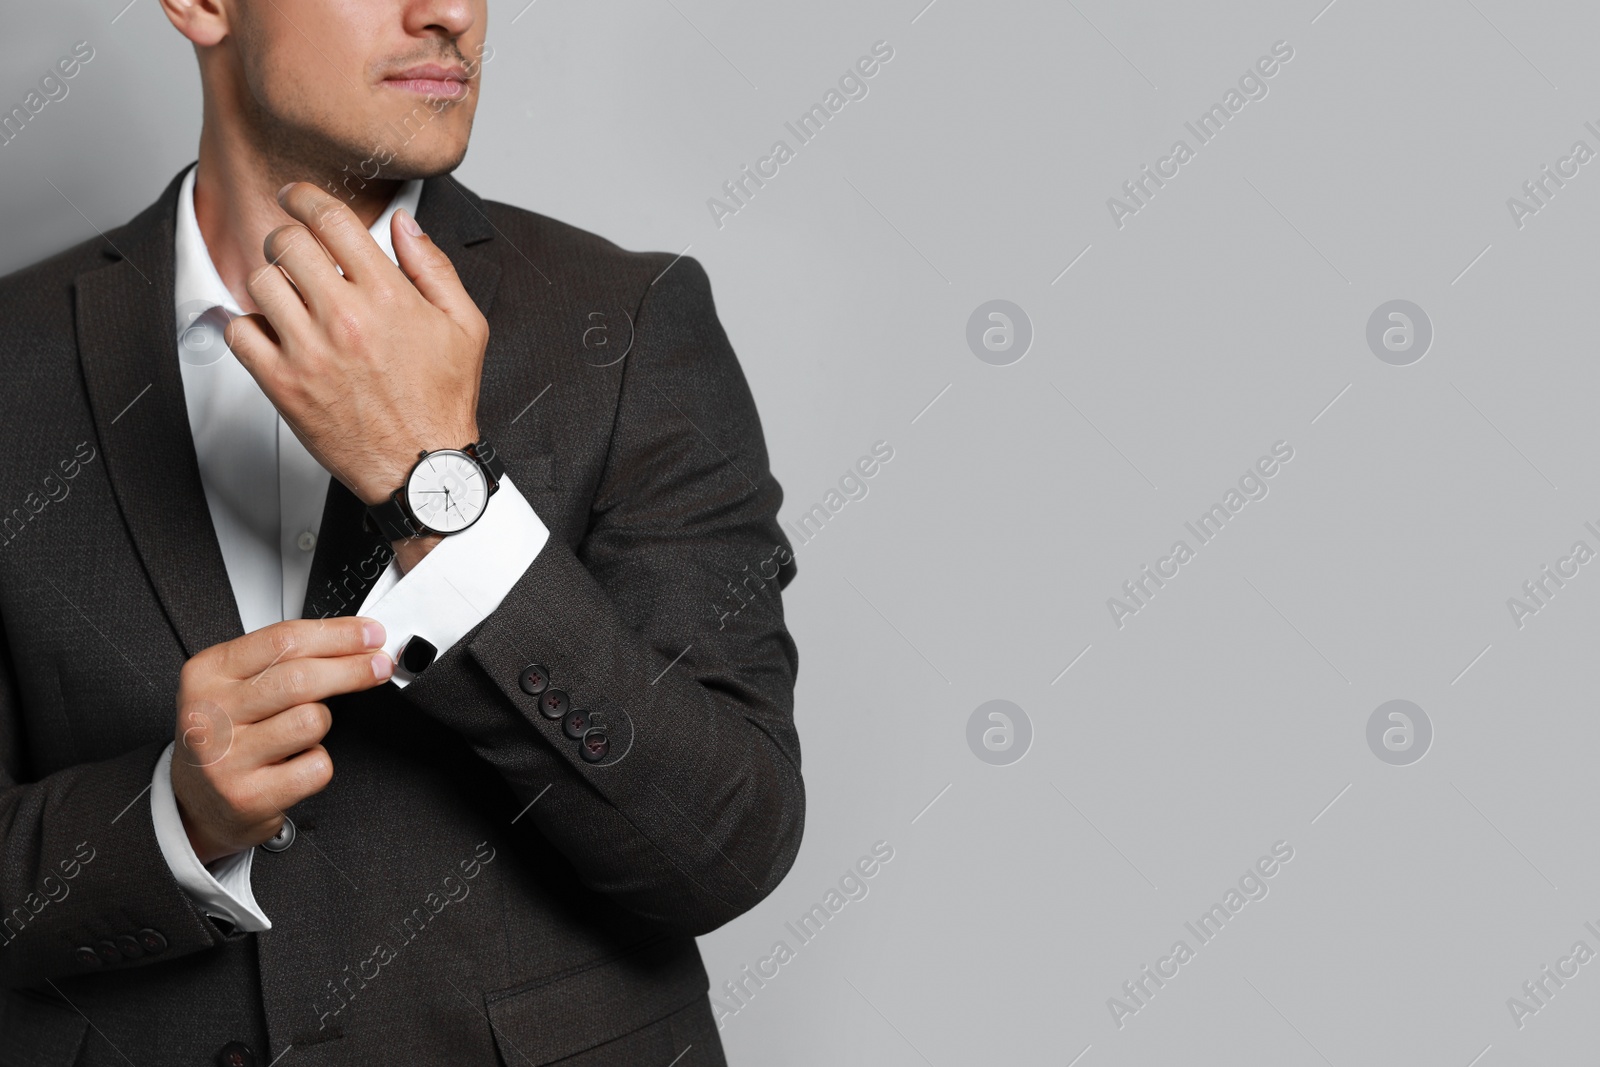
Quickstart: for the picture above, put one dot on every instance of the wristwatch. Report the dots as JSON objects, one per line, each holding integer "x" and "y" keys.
{"x": 445, "y": 493}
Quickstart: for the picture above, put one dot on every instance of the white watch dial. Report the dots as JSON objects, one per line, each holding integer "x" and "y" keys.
{"x": 447, "y": 492}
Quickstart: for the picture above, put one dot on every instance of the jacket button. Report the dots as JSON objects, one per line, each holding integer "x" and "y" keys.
{"x": 281, "y": 840}
{"x": 109, "y": 952}
{"x": 554, "y": 703}
{"x": 86, "y": 955}
{"x": 236, "y": 1054}
{"x": 594, "y": 746}
{"x": 129, "y": 946}
{"x": 576, "y": 724}
{"x": 535, "y": 679}
{"x": 153, "y": 941}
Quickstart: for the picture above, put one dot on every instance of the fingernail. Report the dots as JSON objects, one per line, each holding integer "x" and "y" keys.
{"x": 382, "y": 666}
{"x": 373, "y": 632}
{"x": 285, "y": 189}
{"x": 407, "y": 223}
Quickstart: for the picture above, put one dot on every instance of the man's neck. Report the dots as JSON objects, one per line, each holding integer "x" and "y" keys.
{"x": 236, "y": 204}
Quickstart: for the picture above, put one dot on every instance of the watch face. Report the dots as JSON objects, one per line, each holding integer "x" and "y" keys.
{"x": 447, "y": 491}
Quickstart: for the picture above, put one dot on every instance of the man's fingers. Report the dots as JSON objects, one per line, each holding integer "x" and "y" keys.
{"x": 253, "y": 341}
{"x": 247, "y": 656}
{"x": 430, "y": 270}
{"x": 297, "y": 681}
{"x": 307, "y": 263}
{"x": 278, "y": 300}
{"x": 288, "y": 733}
{"x": 337, "y": 227}
{"x": 281, "y": 786}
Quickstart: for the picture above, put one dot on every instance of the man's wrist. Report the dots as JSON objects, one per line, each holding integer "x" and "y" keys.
{"x": 205, "y": 850}
{"x": 409, "y": 551}
{"x": 380, "y": 484}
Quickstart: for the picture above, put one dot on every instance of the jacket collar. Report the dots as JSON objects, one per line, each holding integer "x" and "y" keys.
{"x": 127, "y": 346}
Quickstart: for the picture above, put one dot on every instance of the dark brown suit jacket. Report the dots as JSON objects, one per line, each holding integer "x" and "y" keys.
{"x": 469, "y": 889}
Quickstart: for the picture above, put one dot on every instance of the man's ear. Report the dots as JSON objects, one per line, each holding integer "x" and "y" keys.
{"x": 204, "y": 22}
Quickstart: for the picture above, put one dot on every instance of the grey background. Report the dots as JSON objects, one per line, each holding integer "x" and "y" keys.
{"x": 1224, "y": 317}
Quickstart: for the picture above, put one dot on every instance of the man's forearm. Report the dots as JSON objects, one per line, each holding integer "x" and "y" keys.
{"x": 703, "y": 816}
{"x": 84, "y": 886}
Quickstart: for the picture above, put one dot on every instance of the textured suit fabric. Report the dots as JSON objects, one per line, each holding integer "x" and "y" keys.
{"x": 468, "y": 890}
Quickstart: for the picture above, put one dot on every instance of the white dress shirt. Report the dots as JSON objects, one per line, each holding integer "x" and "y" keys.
{"x": 265, "y": 492}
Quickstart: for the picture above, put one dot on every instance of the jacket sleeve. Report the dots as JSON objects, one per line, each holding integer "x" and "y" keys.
{"x": 665, "y": 622}
{"x": 83, "y": 884}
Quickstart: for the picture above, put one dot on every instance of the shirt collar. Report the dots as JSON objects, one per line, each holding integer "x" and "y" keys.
{"x": 198, "y": 285}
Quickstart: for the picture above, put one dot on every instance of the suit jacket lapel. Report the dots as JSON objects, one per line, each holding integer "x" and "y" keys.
{"x": 127, "y": 346}
{"x": 455, "y": 218}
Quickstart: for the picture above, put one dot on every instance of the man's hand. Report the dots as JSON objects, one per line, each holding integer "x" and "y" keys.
{"x": 250, "y": 723}
{"x": 368, "y": 368}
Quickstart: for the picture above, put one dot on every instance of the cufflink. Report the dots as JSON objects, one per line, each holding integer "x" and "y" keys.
{"x": 416, "y": 655}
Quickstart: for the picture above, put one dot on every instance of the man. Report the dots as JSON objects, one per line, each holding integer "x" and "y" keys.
{"x": 360, "y": 697}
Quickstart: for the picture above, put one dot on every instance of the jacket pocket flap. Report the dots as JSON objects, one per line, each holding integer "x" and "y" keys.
{"x": 37, "y": 1032}
{"x": 576, "y": 1010}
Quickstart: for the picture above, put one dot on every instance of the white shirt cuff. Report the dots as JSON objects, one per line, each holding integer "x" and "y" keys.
{"x": 223, "y": 889}
{"x": 460, "y": 582}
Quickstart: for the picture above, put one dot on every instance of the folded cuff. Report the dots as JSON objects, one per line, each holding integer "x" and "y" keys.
{"x": 222, "y": 890}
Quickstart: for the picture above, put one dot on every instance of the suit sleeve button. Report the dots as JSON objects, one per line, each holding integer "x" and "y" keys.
{"x": 535, "y": 679}
{"x": 109, "y": 952}
{"x": 554, "y": 704}
{"x": 86, "y": 955}
{"x": 153, "y": 941}
{"x": 576, "y": 724}
{"x": 236, "y": 1054}
{"x": 594, "y": 746}
{"x": 130, "y": 948}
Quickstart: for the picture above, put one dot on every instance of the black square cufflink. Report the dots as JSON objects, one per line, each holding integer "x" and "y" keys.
{"x": 416, "y": 654}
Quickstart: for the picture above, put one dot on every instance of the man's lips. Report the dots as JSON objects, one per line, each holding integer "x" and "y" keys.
{"x": 431, "y": 80}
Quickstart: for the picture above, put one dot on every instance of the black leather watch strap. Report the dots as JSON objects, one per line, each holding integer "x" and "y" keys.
{"x": 485, "y": 454}
{"x": 390, "y": 519}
